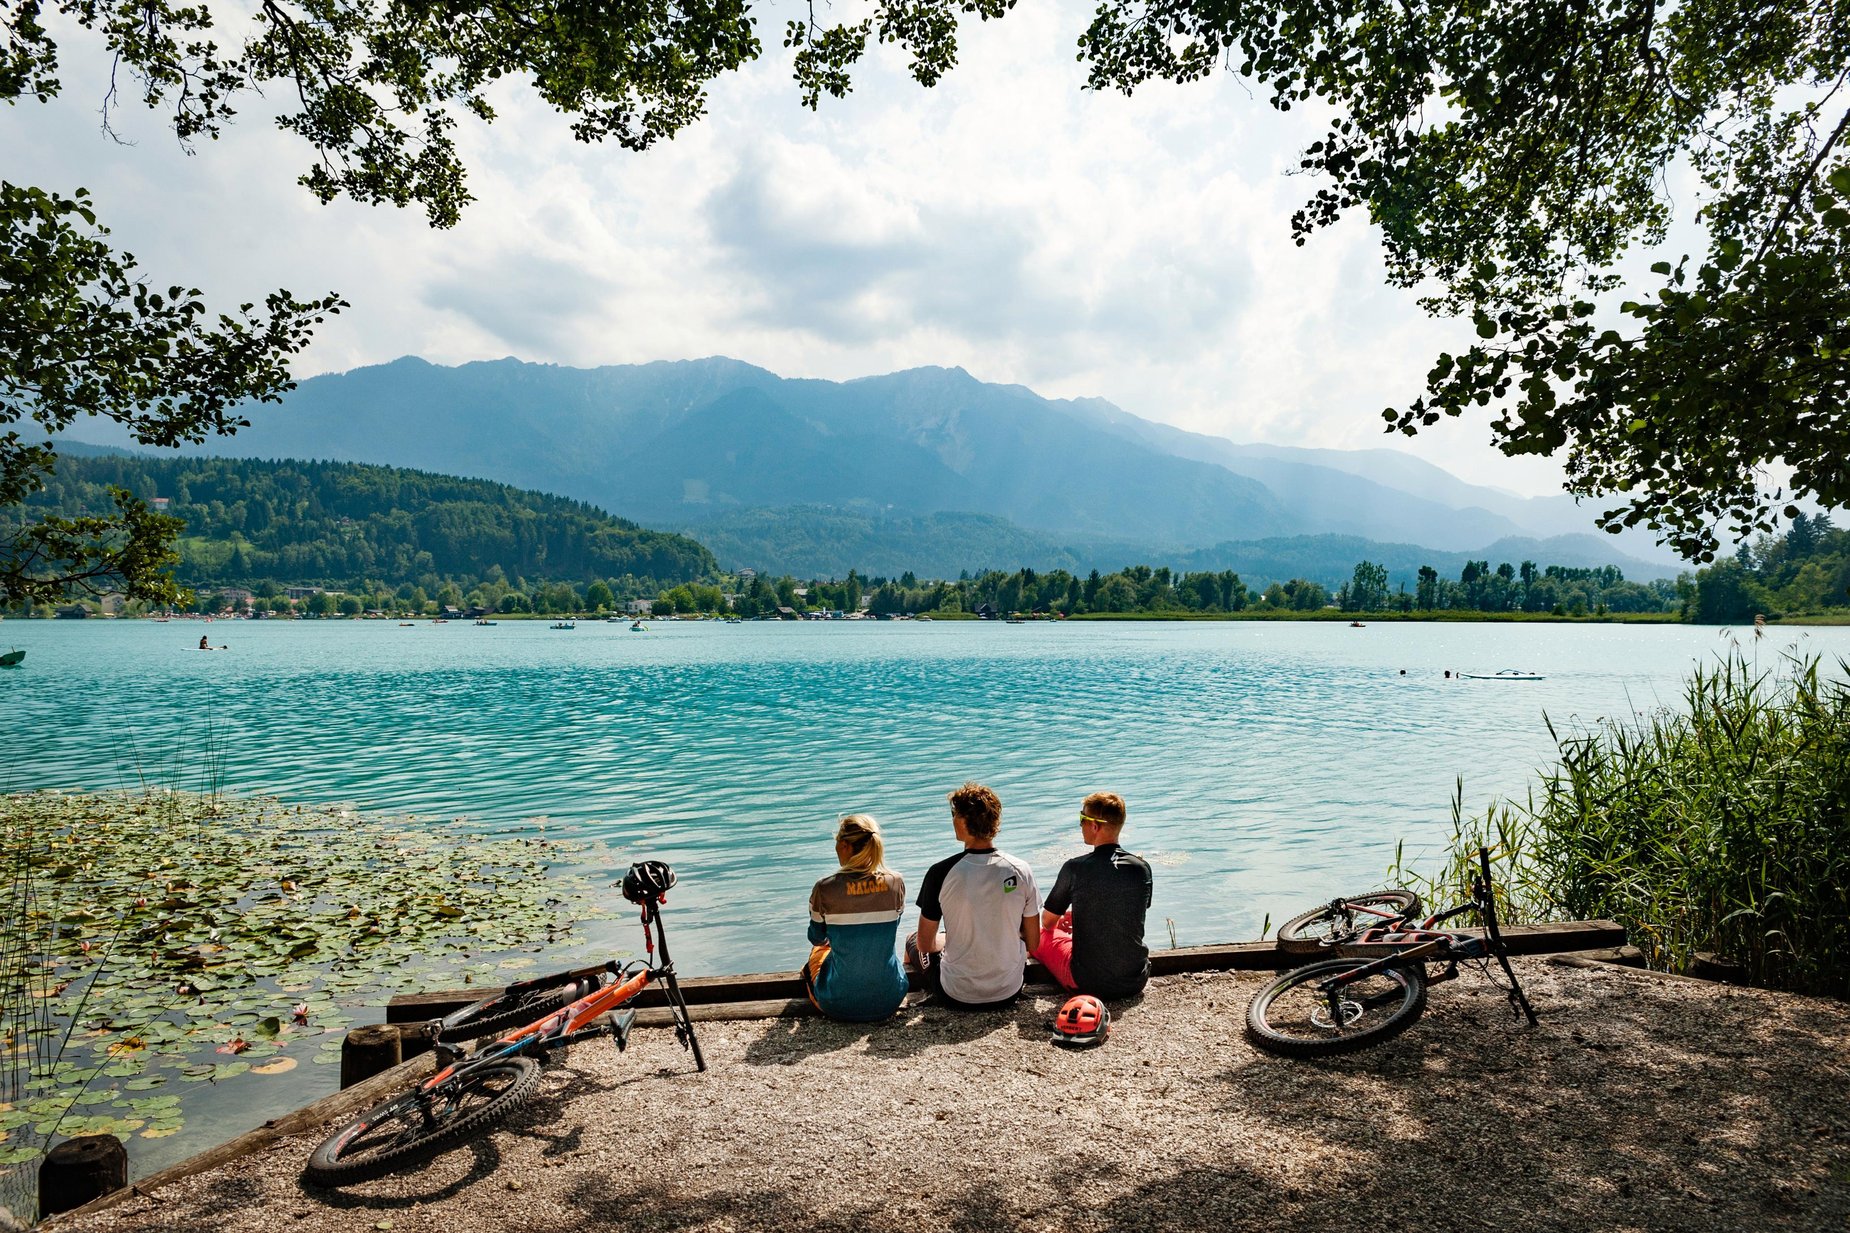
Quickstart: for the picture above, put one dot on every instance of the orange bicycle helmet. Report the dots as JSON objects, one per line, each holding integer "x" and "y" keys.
{"x": 1082, "y": 1023}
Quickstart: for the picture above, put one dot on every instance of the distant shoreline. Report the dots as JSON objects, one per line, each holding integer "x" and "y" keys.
{"x": 1453, "y": 616}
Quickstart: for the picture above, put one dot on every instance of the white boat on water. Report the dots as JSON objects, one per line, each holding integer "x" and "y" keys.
{"x": 1508, "y": 674}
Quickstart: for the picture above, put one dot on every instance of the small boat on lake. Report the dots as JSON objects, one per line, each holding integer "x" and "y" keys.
{"x": 565, "y": 625}
{"x": 407, "y": 624}
{"x": 1508, "y": 674}
{"x": 486, "y": 621}
{"x": 1357, "y": 625}
{"x": 637, "y": 627}
{"x": 12, "y": 659}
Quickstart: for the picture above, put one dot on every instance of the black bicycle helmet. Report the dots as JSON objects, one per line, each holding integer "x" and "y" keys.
{"x": 647, "y": 881}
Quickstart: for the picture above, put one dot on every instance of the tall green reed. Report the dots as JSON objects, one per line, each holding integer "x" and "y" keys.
{"x": 1721, "y": 826}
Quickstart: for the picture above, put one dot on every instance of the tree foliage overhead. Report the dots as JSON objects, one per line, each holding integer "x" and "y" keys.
{"x": 1512, "y": 153}
{"x": 82, "y": 334}
{"x": 378, "y": 87}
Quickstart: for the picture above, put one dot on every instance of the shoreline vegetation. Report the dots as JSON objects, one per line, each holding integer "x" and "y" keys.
{"x": 1721, "y": 828}
{"x": 348, "y": 540}
{"x": 161, "y": 948}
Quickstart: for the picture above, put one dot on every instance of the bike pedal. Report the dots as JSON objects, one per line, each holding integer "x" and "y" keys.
{"x": 621, "y": 1021}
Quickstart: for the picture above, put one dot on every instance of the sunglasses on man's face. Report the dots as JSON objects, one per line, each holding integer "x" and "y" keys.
{"x": 1086, "y": 817}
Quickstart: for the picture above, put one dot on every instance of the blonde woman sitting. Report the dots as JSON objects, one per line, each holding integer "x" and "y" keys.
{"x": 853, "y": 971}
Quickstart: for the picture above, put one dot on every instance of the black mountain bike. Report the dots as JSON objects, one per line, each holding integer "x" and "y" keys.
{"x": 470, "y": 1095}
{"x": 1341, "y": 1005}
{"x": 1347, "y": 921}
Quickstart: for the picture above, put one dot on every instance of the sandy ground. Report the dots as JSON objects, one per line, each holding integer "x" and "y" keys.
{"x": 1638, "y": 1103}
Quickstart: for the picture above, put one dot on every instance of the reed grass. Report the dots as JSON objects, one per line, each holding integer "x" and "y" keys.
{"x": 1722, "y": 826}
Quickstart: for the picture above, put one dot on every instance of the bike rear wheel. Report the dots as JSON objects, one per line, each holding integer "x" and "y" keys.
{"x": 414, "y": 1127}
{"x": 515, "y": 1008}
{"x": 1292, "y": 1016}
{"x": 1320, "y": 928}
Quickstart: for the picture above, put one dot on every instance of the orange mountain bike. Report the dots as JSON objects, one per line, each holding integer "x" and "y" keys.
{"x": 470, "y": 1095}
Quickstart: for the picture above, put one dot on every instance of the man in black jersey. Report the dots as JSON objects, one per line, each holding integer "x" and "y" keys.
{"x": 1092, "y": 925}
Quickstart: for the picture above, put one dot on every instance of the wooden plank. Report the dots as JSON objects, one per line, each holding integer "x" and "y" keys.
{"x": 1624, "y": 956}
{"x": 1232, "y": 956}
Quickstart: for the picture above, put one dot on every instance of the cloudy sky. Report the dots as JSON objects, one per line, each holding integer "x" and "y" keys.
{"x": 1006, "y": 221}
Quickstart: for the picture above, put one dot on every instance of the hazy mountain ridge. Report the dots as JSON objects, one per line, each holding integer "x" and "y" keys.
{"x": 719, "y": 447}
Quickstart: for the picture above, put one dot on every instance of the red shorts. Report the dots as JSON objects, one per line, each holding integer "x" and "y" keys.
{"x": 1055, "y": 953}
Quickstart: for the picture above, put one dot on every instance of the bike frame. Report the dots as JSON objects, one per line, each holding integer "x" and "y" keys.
{"x": 573, "y": 1021}
{"x": 1444, "y": 946}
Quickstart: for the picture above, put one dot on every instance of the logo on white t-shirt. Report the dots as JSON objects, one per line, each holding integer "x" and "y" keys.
{"x": 1009, "y": 884}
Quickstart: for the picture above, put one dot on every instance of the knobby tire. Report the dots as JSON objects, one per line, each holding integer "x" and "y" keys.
{"x": 1309, "y": 932}
{"x": 398, "y": 1132}
{"x": 1288, "y": 1017}
{"x": 515, "y": 1010}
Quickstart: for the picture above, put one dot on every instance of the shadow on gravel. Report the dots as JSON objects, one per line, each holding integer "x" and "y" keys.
{"x": 1633, "y": 1108}
{"x": 785, "y": 1042}
{"x": 368, "y": 1196}
{"x": 912, "y": 1031}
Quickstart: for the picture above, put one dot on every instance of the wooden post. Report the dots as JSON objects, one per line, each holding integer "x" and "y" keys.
{"x": 413, "y": 1039}
{"x": 79, "y": 1170}
{"x": 367, "y": 1051}
{"x": 1707, "y": 965}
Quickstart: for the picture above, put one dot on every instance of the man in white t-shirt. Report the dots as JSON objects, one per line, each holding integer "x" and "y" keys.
{"x": 987, "y": 905}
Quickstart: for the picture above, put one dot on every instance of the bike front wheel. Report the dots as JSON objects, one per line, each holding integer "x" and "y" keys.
{"x": 1321, "y": 928}
{"x": 533, "y": 1002}
{"x": 1295, "y": 1016}
{"x": 418, "y": 1125}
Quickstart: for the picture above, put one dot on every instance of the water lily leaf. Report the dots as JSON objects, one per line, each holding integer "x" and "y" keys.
{"x": 274, "y": 1066}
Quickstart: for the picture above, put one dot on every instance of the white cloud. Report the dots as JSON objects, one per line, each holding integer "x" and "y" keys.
{"x": 1007, "y": 221}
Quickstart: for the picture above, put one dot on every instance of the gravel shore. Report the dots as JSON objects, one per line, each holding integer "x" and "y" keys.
{"x": 1639, "y": 1103}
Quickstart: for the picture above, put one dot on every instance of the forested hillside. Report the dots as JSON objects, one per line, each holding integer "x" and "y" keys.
{"x": 1804, "y": 571}
{"x": 341, "y": 524}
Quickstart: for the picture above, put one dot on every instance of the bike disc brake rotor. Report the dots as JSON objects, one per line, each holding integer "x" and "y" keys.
{"x": 1321, "y": 1017}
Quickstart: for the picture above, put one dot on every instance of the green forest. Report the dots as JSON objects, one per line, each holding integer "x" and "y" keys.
{"x": 1153, "y": 590}
{"x": 1805, "y": 571}
{"x": 363, "y": 538}
{"x": 373, "y": 529}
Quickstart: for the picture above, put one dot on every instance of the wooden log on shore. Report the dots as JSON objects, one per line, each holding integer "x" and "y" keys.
{"x": 1232, "y": 956}
{"x": 1707, "y": 965}
{"x": 81, "y": 1170}
{"x": 368, "y": 1051}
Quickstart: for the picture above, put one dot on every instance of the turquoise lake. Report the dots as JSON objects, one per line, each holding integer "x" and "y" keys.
{"x": 1266, "y": 765}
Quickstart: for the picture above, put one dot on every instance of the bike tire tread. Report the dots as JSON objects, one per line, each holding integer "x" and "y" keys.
{"x": 326, "y": 1169}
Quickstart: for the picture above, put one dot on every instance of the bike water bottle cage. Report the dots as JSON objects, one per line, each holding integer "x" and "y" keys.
{"x": 647, "y": 882}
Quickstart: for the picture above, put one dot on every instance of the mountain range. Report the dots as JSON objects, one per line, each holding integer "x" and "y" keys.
{"x": 929, "y": 469}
